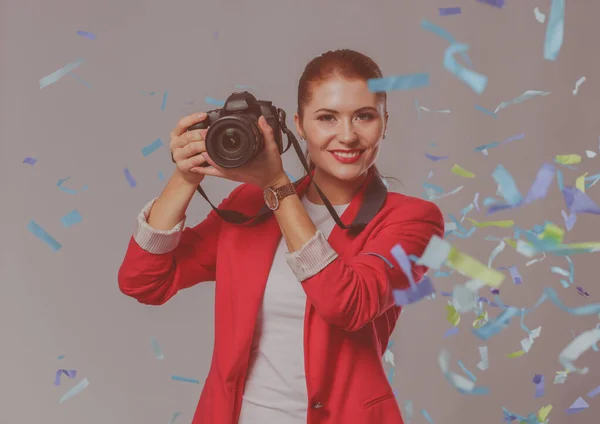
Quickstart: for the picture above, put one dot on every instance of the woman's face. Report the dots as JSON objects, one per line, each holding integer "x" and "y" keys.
{"x": 343, "y": 125}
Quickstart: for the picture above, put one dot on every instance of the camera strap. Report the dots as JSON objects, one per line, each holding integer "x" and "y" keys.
{"x": 374, "y": 197}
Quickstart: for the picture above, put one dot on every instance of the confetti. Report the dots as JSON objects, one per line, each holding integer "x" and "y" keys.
{"x": 164, "y": 101}
{"x": 407, "y": 296}
{"x": 484, "y": 364}
{"x": 69, "y": 373}
{"x": 30, "y": 161}
{"x": 577, "y": 347}
{"x": 72, "y": 218}
{"x": 398, "y": 82}
{"x": 56, "y": 75}
{"x": 184, "y": 379}
{"x": 539, "y": 16}
{"x": 152, "y": 147}
{"x": 572, "y": 159}
{"x": 441, "y": 32}
{"x": 158, "y": 353}
{"x": 388, "y": 357}
{"x": 130, "y": 179}
{"x": 40, "y": 233}
{"x": 452, "y": 315}
{"x": 161, "y": 177}
{"x": 582, "y": 292}
{"x": 462, "y": 384}
{"x": 516, "y": 354}
{"x": 450, "y": 332}
{"x": 75, "y": 390}
{"x": 486, "y": 111}
{"x": 496, "y": 3}
{"x": 538, "y": 380}
{"x": 579, "y": 405}
{"x": 473, "y": 79}
{"x": 78, "y": 78}
{"x": 214, "y": 102}
{"x": 407, "y": 412}
{"x": 459, "y": 170}
{"x": 175, "y": 415}
{"x": 594, "y": 392}
{"x": 466, "y": 371}
{"x": 60, "y": 183}
{"x": 447, "y": 11}
{"x": 579, "y": 202}
{"x": 554, "y": 30}
{"x": 427, "y": 416}
{"x": 436, "y": 111}
{"x": 514, "y": 273}
{"x": 590, "y": 154}
{"x": 577, "y": 84}
{"x": 435, "y": 158}
{"x": 525, "y": 96}
{"x": 86, "y": 34}
{"x": 500, "y": 224}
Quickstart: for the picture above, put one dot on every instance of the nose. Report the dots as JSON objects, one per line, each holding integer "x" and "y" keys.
{"x": 347, "y": 134}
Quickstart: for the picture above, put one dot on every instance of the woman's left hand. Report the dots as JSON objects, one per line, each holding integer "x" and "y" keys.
{"x": 262, "y": 171}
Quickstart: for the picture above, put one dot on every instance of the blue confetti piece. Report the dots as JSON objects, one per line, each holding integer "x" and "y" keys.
{"x": 290, "y": 176}
{"x": 513, "y": 138}
{"x": 164, "y": 101}
{"x": 400, "y": 256}
{"x": 448, "y": 11}
{"x": 86, "y": 34}
{"x": 466, "y": 371}
{"x": 433, "y": 187}
{"x": 184, "y": 379}
{"x": 61, "y": 357}
{"x": 130, "y": 179}
{"x": 555, "y": 30}
{"x": 398, "y": 82}
{"x": 450, "y": 332}
{"x": 435, "y": 158}
{"x": 158, "y": 353}
{"x": 152, "y": 147}
{"x": 40, "y": 233}
{"x": 485, "y": 147}
{"x": 161, "y": 176}
{"x": 473, "y": 79}
{"x": 508, "y": 187}
{"x": 487, "y": 112}
{"x": 175, "y": 415}
{"x": 72, "y": 218}
{"x": 496, "y": 3}
{"x": 214, "y": 102}
{"x": 441, "y": 32}
{"x": 60, "y": 183}
{"x": 427, "y": 417}
{"x": 78, "y": 78}
{"x": 56, "y": 75}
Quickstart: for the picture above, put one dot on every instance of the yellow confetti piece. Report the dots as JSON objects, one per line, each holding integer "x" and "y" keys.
{"x": 567, "y": 159}
{"x": 512, "y": 243}
{"x": 542, "y": 414}
{"x": 480, "y": 320}
{"x": 552, "y": 232}
{"x": 452, "y": 316}
{"x": 459, "y": 170}
{"x": 471, "y": 267}
{"x": 516, "y": 354}
{"x": 580, "y": 182}
{"x": 501, "y": 224}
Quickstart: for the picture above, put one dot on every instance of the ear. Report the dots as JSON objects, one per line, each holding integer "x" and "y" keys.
{"x": 298, "y": 125}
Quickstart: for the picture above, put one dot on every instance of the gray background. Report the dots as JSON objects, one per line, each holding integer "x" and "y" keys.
{"x": 67, "y": 302}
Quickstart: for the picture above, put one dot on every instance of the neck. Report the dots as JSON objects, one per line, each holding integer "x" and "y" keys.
{"x": 338, "y": 192}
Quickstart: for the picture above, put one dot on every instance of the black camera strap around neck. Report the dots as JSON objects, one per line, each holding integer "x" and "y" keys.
{"x": 374, "y": 197}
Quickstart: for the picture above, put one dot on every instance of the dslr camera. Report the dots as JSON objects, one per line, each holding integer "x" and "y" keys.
{"x": 234, "y": 138}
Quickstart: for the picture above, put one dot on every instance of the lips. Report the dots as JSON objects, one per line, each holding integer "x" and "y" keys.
{"x": 347, "y": 156}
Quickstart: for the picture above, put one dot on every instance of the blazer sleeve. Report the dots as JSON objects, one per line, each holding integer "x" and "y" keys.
{"x": 157, "y": 264}
{"x": 351, "y": 292}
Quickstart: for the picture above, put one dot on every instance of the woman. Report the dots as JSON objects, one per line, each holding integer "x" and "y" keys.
{"x": 304, "y": 309}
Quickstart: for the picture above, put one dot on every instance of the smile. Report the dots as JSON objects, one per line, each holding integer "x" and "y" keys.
{"x": 347, "y": 156}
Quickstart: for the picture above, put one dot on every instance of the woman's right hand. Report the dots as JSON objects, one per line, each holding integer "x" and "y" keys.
{"x": 187, "y": 147}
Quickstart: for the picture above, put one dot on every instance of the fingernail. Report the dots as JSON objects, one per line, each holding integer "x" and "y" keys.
{"x": 201, "y": 115}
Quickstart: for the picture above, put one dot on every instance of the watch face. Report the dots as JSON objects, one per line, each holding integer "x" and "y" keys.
{"x": 271, "y": 198}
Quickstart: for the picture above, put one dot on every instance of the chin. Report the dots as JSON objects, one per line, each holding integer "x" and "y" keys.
{"x": 346, "y": 173}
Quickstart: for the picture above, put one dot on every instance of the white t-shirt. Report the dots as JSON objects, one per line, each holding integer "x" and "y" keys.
{"x": 276, "y": 384}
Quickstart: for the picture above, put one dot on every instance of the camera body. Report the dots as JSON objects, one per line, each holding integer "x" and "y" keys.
{"x": 234, "y": 138}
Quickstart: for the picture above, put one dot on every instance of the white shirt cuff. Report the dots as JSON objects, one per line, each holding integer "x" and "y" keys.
{"x": 153, "y": 240}
{"x": 315, "y": 255}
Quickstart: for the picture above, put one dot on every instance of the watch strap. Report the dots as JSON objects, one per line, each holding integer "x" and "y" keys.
{"x": 284, "y": 191}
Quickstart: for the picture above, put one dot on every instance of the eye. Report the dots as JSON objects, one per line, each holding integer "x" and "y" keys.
{"x": 326, "y": 118}
{"x": 365, "y": 116}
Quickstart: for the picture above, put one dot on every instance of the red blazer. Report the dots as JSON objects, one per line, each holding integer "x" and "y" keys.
{"x": 350, "y": 310}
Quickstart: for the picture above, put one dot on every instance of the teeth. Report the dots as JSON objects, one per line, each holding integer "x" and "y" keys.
{"x": 347, "y": 155}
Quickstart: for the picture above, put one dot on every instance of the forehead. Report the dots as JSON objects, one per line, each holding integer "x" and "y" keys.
{"x": 341, "y": 94}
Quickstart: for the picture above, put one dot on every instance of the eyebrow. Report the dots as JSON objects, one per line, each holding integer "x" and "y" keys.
{"x": 362, "y": 109}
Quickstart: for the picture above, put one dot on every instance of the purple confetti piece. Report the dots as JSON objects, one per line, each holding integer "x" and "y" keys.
{"x": 450, "y": 332}
{"x": 86, "y": 34}
{"x": 582, "y": 292}
{"x": 447, "y": 11}
{"x": 513, "y": 138}
{"x": 594, "y": 392}
{"x": 130, "y": 179}
{"x": 579, "y": 202}
{"x": 496, "y": 3}
{"x": 495, "y": 291}
{"x": 538, "y": 380}
{"x": 407, "y": 296}
{"x": 30, "y": 161}
{"x": 435, "y": 158}
{"x": 514, "y": 273}
{"x": 570, "y": 220}
{"x": 579, "y": 405}
{"x": 69, "y": 373}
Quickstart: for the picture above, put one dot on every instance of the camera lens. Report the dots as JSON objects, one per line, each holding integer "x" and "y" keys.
{"x": 231, "y": 140}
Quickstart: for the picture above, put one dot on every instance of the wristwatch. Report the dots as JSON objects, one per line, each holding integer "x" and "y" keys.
{"x": 273, "y": 196}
